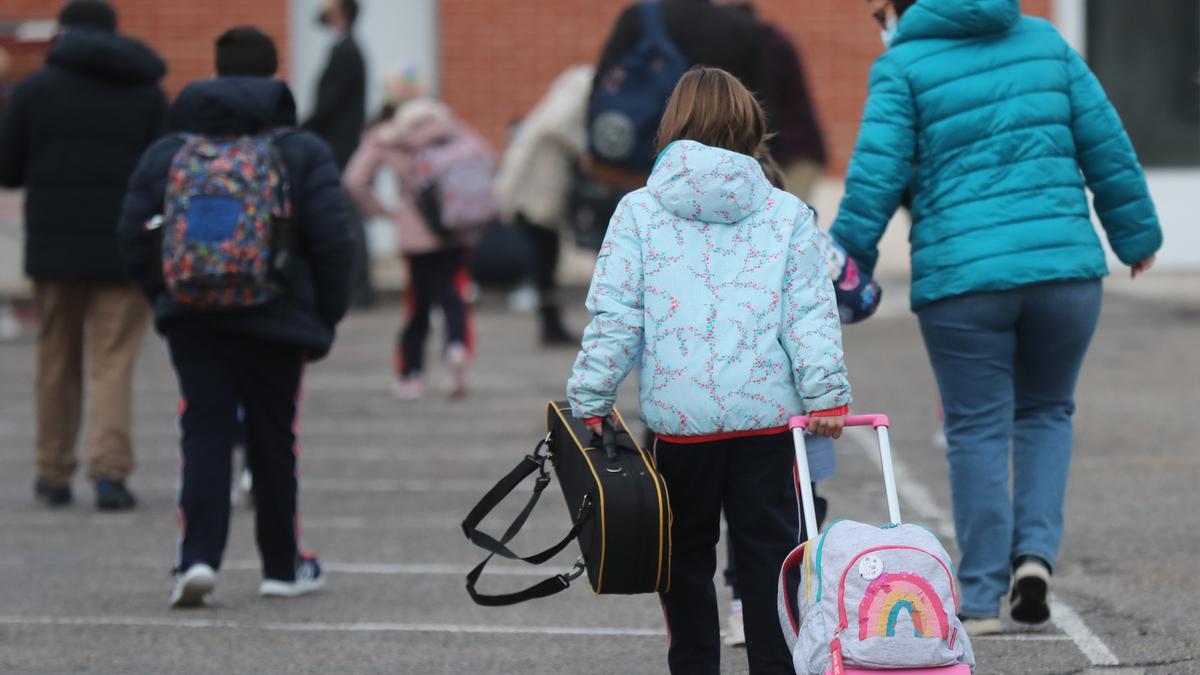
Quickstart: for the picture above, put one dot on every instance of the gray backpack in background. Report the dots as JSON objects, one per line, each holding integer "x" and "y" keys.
{"x": 871, "y": 598}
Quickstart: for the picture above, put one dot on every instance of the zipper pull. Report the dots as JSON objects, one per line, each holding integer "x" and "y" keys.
{"x": 836, "y": 666}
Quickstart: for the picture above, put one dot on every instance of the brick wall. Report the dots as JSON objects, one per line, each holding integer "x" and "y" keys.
{"x": 181, "y": 31}
{"x": 498, "y": 56}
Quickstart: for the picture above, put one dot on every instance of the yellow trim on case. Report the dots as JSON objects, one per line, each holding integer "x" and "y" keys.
{"x": 658, "y": 490}
{"x": 599, "y": 488}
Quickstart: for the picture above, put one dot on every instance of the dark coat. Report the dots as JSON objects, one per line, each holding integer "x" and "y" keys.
{"x": 707, "y": 34}
{"x": 71, "y": 135}
{"x": 341, "y": 110}
{"x": 318, "y": 278}
{"x": 787, "y": 100}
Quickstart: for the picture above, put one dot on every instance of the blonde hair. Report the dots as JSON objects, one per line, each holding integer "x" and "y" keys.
{"x": 712, "y": 107}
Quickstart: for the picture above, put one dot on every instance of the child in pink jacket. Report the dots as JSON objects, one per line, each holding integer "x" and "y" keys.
{"x": 436, "y": 260}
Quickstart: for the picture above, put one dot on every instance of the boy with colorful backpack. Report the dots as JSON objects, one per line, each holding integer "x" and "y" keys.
{"x": 238, "y": 229}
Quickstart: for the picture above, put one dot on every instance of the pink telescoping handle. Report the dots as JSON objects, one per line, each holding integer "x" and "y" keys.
{"x": 881, "y": 424}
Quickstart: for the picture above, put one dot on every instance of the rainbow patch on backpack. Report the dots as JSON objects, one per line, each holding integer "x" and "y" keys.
{"x": 893, "y": 595}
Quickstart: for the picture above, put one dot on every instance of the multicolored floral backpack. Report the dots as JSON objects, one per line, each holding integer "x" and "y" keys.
{"x": 227, "y": 210}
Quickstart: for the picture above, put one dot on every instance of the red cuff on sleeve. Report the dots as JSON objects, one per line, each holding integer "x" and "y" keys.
{"x": 832, "y": 412}
{"x": 592, "y": 420}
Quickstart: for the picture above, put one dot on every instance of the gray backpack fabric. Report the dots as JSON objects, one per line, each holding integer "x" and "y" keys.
{"x": 873, "y": 598}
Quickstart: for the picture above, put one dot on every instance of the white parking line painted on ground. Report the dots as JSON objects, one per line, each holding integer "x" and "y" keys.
{"x": 321, "y": 453}
{"x": 325, "y": 627}
{"x": 914, "y": 493}
{"x": 1069, "y": 621}
{"x": 922, "y": 501}
{"x": 1021, "y": 637}
{"x": 352, "y": 485}
{"x": 334, "y": 567}
{"x": 539, "y": 523}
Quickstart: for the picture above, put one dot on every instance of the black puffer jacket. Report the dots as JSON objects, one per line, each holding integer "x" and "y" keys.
{"x": 71, "y": 135}
{"x": 318, "y": 279}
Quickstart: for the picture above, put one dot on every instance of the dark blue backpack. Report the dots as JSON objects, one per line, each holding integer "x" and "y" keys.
{"x": 630, "y": 97}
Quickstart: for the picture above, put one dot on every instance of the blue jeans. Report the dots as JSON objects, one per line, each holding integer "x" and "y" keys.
{"x": 1006, "y": 365}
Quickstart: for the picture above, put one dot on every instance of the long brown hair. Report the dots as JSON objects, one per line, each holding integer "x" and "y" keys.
{"x": 712, "y": 107}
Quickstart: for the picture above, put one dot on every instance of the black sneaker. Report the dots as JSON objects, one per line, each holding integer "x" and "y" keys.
{"x": 309, "y": 579}
{"x": 1030, "y": 591}
{"x": 52, "y": 495}
{"x": 112, "y": 495}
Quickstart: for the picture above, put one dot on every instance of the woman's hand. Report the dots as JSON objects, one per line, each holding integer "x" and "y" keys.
{"x": 1141, "y": 267}
{"x": 830, "y": 427}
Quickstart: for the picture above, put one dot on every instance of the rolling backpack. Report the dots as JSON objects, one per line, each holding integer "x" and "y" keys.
{"x": 453, "y": 184}
{"x": 225, "y": 222}
{"x": 870, "y": 598}
{"x": 630, "y": 97}
{"x": 618, "y": 504}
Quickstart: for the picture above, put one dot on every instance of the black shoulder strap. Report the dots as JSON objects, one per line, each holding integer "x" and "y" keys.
{"x": 543, "y": 589}
{"x": 531, "y": 463}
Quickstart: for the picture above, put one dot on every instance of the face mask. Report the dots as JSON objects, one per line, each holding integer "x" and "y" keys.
{"x": 891, "y": 26}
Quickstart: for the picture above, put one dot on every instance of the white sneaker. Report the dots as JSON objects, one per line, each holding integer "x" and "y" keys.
{"x": 408, "y": 388}
{"x": 242, "y": 487}
{"x": 987, "y": 625}
{"x": 309, "y": 579}
{"x": 193, "y": 586}
{"x": 736, "y": 635}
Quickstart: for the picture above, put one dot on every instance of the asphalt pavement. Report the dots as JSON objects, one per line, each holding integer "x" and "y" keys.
{"x": 385, "y": 485}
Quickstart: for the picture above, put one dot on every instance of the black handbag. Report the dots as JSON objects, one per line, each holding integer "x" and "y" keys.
{"x": 619, "y": 507}
{"x": 502, "y": 258}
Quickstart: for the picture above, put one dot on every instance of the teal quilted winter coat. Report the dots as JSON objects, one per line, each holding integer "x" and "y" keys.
{"x": 998, "y": 123}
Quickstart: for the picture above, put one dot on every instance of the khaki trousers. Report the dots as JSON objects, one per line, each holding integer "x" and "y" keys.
{"x": 109, "y": 321}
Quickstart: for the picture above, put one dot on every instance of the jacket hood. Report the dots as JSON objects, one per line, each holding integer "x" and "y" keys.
{"x": 106, "y": 56}
{"x": 957, "y": 19}
{"x": 233, "y": 105}
{"x": 712, "y": 185}
{"x": 418, "y": 122}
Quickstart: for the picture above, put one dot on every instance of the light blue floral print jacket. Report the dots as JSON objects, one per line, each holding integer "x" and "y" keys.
{"x": 717, "y": 281}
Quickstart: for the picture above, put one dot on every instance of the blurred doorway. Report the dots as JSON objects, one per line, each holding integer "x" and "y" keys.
{"x": 393, "y": 34}
{"x": 1147, "y": 55}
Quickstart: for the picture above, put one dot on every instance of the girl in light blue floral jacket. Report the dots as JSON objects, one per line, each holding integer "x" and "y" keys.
{"x": 717, "y": 281}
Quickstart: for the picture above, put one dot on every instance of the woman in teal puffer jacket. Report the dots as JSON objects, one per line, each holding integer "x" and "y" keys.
{"x": 997, "y": 125}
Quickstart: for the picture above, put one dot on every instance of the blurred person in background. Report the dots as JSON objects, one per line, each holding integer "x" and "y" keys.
{"x": 534, "y": 183}
{"x": 702, "y": 33}
{"x": 341, "y": 107}
{"x": 798, "y": 145}
{"x": 708, "y": 33}
{"x": 1012, "y": 128}
{"x": 340, "y": 116}
{"x": 71, "y": 136}
{"x": 410, "y": 144}
{"x": 4, "y": 66}
{"x": 240, "y": 366}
